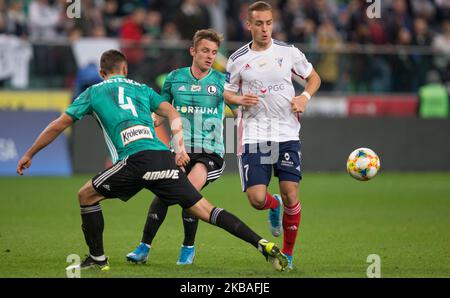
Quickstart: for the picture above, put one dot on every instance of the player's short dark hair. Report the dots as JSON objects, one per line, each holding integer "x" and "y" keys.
{"x": 258, "y": 6}
{"x": 111, "y": 61}
{"x": 208, "y": 34}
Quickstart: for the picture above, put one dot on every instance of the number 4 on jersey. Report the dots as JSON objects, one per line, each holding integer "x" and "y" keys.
{"x": 126, "y": 106}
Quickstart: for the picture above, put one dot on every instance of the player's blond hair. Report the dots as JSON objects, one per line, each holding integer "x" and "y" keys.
{"x": 258, "y": 6}
{"x": 208, "y": 34}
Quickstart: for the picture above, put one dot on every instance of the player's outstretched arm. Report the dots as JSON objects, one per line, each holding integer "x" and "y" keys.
{"x": 242, "y": 100}
{"x": 313, "y": 82}
{"x": 298, "y": 103}
{"x": 167, "y": 110}
{"x": 50, "y": 133}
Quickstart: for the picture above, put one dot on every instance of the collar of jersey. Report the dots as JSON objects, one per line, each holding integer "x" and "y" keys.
{"x": 116, "y": 76}
{"x": 192, "y": 75}
{"x": 263, "y": 51}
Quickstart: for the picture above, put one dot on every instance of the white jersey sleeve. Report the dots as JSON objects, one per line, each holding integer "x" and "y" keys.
{"x": 233, "y": 78}
{"x": 300, "y": 65}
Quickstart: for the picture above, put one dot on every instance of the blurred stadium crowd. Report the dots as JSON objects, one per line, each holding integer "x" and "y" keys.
{"x": 410, "y": 37}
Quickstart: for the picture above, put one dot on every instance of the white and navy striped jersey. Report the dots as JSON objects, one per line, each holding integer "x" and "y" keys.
{"x": 267, "y": 74}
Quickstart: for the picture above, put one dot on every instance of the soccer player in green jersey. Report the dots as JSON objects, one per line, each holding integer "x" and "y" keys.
{"x": 197, "y": 94}
{"x": 123, "y": 109}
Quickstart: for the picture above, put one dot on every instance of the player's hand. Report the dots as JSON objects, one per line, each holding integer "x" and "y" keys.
{"x": 157, "y": 120}
{"x": 182, "y": 159}
{"x": 248, "y": 100}
{"x": 24, "y": 163}
{"x": 298, "y": 104}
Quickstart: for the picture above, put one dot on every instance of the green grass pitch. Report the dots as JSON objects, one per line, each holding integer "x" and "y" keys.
{"x": 402, "y": 217}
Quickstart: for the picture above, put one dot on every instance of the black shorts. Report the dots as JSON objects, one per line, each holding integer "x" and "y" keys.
{"x": 213, "y": 162}
{"x": 154, "y": 170}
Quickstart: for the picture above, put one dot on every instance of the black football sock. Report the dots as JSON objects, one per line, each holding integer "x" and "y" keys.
{"x": 190, "y": 224}
{"x": 92, "y": 226}
{"x": 233, "y": 225}
{"x": 155, "y": 217}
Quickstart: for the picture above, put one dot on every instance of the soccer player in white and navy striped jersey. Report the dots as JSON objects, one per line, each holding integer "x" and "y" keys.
{"x": 259, "y": 79}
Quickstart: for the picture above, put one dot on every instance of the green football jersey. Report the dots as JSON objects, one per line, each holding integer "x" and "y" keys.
{"x": 201, "y": 106}
{"x": 123, "y": 109}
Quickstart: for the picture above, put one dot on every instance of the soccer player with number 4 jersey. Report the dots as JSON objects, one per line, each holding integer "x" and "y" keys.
{"x": 197, "y": 94}
{"x": 259, "y": 79}
{"x": 123, "y": 109}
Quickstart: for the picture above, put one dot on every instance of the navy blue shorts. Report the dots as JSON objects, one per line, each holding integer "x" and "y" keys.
{"x": 257, "y": 160}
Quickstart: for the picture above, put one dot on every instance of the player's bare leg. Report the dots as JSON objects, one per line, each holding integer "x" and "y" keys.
{"x": 197, "y": 176}
{"x": 261, "y": 199}
{"x": 256, "y": 195}
{"x": 202, "y": 209}
{"x": 227, "y": 221}
{"x": 88, "y": 196}
{"x": 291, "y": 216}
